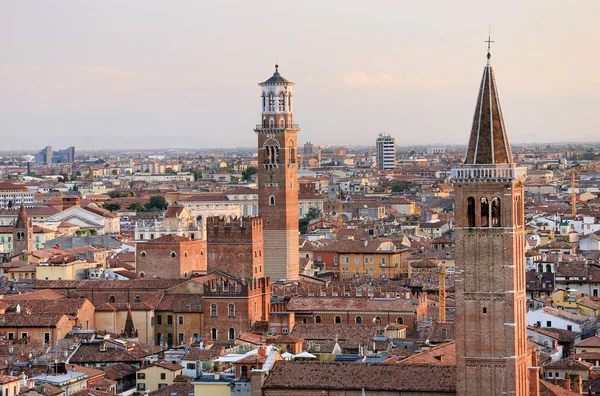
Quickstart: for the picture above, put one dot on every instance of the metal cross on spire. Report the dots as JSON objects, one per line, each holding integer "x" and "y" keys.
{"x": 489, "y": 42}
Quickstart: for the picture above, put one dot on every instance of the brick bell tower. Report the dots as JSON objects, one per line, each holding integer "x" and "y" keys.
{"x": 491, "y": 339}
{"x": 278, "y": 178}
{"x": 22, "y": 233}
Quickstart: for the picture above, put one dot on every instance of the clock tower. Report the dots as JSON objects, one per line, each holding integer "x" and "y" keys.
{"x": 278, "y": 178}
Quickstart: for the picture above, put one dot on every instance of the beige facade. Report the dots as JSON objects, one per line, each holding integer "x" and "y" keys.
{"x": 73, "y": 270}
{"x": 157, "y": 376}
{"x": 112, "y": 319}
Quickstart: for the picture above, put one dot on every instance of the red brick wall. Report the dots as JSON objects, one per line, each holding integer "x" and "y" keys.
{"x": 236, "y": 247}
{"x": 251, "y": 305}
{"x": 154, "y": 259}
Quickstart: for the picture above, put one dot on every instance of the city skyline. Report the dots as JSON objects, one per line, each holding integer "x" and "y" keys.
{"x": 98, "y": 76}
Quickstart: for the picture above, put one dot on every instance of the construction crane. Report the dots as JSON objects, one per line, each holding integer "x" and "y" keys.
{"x": 575, "y": 170}
{"x": 441, "y": 271}
{"x": 442, "y": 292}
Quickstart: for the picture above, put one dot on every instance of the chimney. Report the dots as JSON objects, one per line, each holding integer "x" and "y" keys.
{"x": 567, "y": 381}
{"x": 262, "y": 351}
{"x": 58, "y": 246}
{"x": 577, "y": 384}
{"x": 534, "y": 381}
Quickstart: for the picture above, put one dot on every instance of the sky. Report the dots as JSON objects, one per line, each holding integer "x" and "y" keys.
{"x": 184, "y": 73}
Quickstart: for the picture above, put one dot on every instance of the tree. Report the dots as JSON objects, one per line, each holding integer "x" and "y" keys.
{"x": 312, "y": 214}
{"x": 247, "y": 174}
{"x": 197, "y": 174}
{"x": 156, "y": 203}
{"x": 137, "y": 207}
{"x": 112, "y": 206}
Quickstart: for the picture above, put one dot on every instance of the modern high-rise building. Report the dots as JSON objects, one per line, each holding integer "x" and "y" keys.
{"x": 47, "y": 156}
{"x": 44, "y": 156}
{"x": 386, "y": 152}
{"x": 278, "y": 178}
{"x": 64, "y": 156}
{"x": 491, "y": 336}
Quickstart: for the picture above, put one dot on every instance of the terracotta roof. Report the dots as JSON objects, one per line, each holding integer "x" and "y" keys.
{"x": 313, "y": 331}
{"x": 353, "y": 376}
{"x": 117, "y": 371}
{"x": 255, "y": 358}
{"x": 165, "y": 365}
{"x": 570, "y": 365}
{"x": 304, "y": 304}
{"x": 169, "y": 238}
{"x": 22, "y": 218}
{"x": 181, "y": 303}
{"x": 593, "y": 341}
{"x": 64, "y": 306}
{"x": 175, "y": 389}
{"x": 549, "y": 389}
{"x": 13, "y": 319}
{"x": 4, "y": 379}
{"x": 441, "y": 354}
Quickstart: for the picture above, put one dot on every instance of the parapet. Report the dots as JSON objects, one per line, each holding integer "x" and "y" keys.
{"x": 233, "y": 229}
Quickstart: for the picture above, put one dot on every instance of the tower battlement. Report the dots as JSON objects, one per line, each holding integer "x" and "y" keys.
{"x": 233, "y": 229}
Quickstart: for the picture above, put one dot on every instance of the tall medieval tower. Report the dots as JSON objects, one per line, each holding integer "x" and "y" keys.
{"x": 278, "y": 178}
{"x": 491, "y": 340}
{"x": 22, "y": 233}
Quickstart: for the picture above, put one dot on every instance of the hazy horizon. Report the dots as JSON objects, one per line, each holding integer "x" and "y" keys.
{"x": 155, "y": 74}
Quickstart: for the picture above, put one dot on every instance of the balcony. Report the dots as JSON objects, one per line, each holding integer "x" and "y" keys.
{"x": 275, "y": 128}
{"x": 488, "y": 174}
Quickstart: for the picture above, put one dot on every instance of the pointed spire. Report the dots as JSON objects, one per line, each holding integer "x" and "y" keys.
{"x": 22, "y": 218}
{"x": 129, "y": 329}
{"x": 488, "y": 143}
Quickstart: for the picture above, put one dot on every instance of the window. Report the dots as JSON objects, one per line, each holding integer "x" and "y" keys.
{"x": 284, "y": 330}
{"x": 317, "y": 320}
{"x": 213, "y": 334}
{"x": 191, "y": 366}
{"x": 400, "y": 320}
{"x": 47, "y": 338}
{"x": 377, "y": 320}
{"x": 180, "y": 338}
{"x": 272, "y": 200}
{"x": 470, "y": 212}
{"x": 231, "y": 310}
{"x": 358, "y": 320}
{"x": 159, "y": 320}
{"x": 231, "y": 334}
{"x": 356, "y": 260}
{"x": 24, "y": 335}
{"x": 141, "y": 386}
{"x": 163, "y": 376}
{"x": 484, "y": 310}
{"x": 180, "y": 320}
{"x": 143, "y": 254}
{"x": 337, "y": 320}
{"x": 141, "y": 376}
{"x": 185, "y": 254}
{"x": 111, "y": 299}
{"x": 569, "y": 327}
{"x": 345, "y": 260}
{"x": 496, "y": 211}
{"x": 213, "y": 310}
{"x": 548, "y": 323}
{"x": 173, "y": 254}
{"x": 138, "y": 299}
{"x": 169, "y": 320}
{"x": 485, "y": 212}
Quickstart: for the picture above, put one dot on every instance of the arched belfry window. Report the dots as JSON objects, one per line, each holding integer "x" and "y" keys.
{"x": 496, "y": 212}
{"x": 485, "y": 212}
{"x": 272, "y": 200}
{"x": 470, "y": 212}
{"x": 281, "y": 122}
